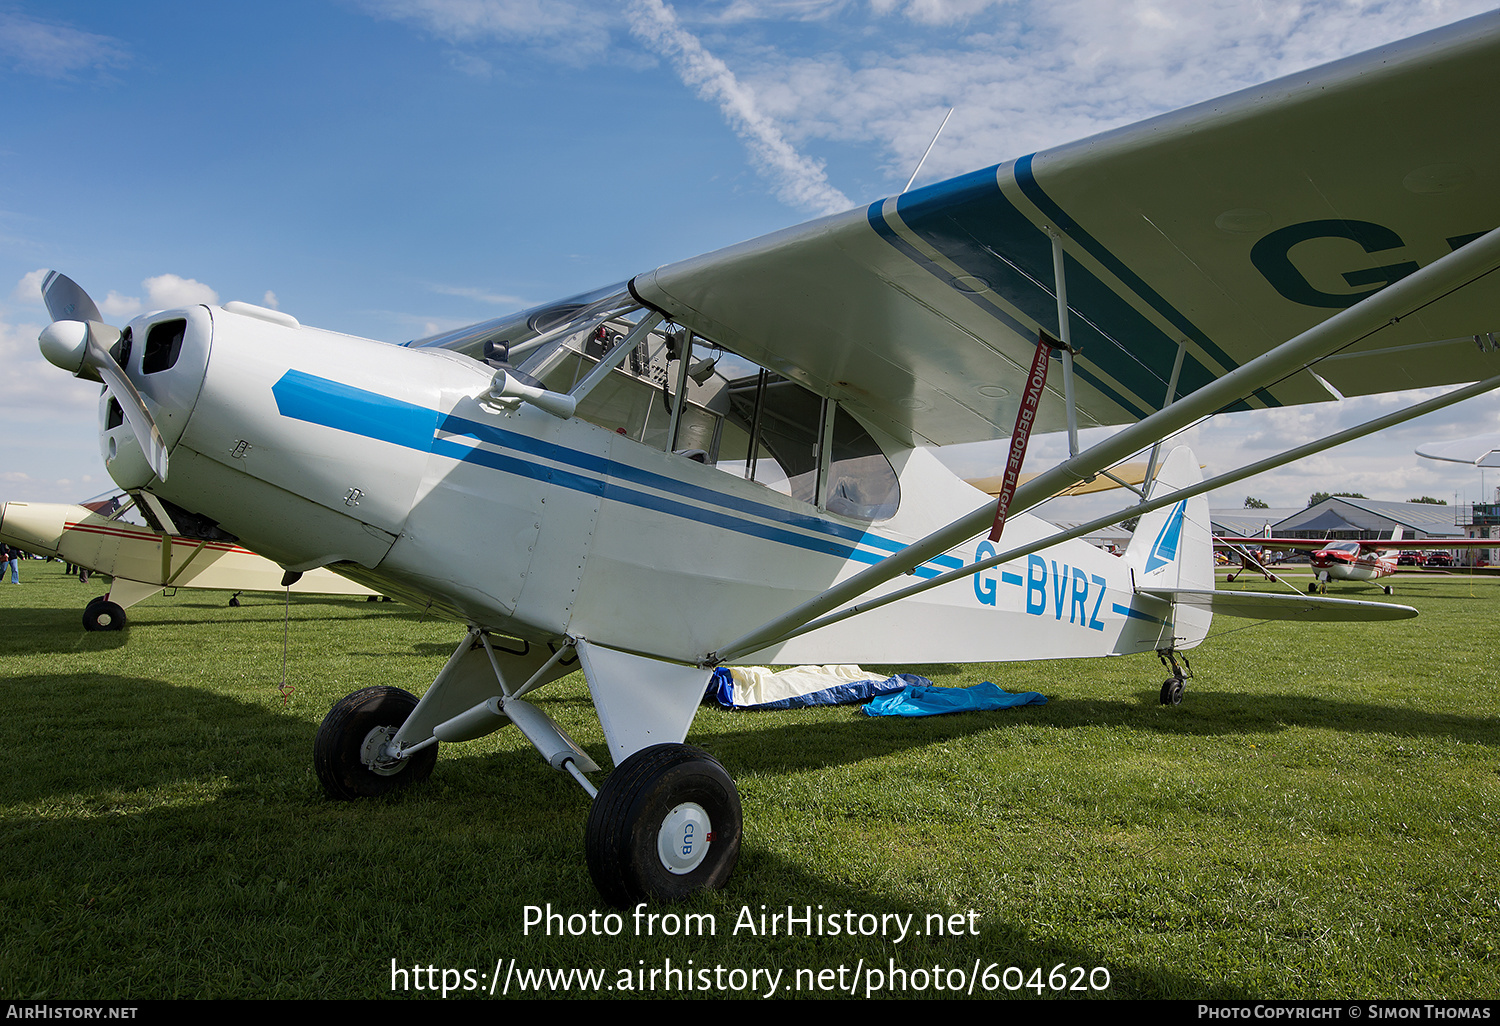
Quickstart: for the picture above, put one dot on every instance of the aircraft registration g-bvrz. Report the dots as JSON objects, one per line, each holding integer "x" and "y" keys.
{"x": 726, "y": 459}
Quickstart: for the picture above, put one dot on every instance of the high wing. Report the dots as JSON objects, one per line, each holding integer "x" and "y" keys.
{"x": 1481, "y": 450}
{"x": 1228, "y": 227}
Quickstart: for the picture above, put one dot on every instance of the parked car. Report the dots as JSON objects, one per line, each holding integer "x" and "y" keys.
{"x": 1439, "y": 559}
{"x": 1409, "y": 558}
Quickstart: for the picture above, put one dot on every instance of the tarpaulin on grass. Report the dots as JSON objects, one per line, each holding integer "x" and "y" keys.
{"x": 756, "y": 687}
{"x": 930, "y": 700}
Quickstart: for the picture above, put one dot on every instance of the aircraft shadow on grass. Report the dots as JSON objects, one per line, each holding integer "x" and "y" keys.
{"x": 121, "y": 842}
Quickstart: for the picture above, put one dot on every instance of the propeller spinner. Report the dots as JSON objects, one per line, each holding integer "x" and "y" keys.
{"x": 79, "y": 342}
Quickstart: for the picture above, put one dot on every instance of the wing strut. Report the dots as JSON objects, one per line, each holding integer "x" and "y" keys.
{"x": 1348, "y": 327}
{"x": 1065, "y": 335}
{"x": 1270, "y": 463}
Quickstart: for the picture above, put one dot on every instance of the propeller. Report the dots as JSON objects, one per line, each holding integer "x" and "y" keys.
{"x": 79, "y": 341}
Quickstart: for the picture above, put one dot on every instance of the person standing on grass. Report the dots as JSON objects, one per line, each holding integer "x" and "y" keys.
{"x": 10, "y": 558}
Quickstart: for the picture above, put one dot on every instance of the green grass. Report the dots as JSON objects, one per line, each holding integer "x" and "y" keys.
{"x": 1319, "y": 819}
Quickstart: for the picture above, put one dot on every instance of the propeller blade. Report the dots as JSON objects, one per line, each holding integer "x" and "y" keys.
{"x": 101, "y": 337}
{"x": 78, "y": 341}
{"x": 66, "y": 301}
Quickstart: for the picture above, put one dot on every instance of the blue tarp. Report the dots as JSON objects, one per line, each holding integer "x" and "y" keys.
{"x": 721, "y": 689}
{"x": 928, "y": 700}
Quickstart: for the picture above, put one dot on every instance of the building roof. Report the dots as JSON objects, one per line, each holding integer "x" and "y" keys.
{"x": 1245, "y": 522}
{"x": 1373, "y": 517}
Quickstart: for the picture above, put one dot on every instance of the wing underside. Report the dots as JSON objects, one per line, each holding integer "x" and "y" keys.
{"x": 1225, "y": 228}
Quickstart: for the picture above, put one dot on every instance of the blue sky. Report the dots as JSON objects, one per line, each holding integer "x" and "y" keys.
{"x": 391, "y": 168}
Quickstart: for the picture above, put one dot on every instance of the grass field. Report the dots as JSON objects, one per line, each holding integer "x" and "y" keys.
{"x": 1319, "y": 819}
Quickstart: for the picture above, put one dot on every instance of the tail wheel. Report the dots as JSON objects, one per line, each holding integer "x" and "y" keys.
{"x": 1171, "y": 691}
{"x": 103, "y": 615}
{"x": 665, "y": 825}
{"x": 347, "y": 754}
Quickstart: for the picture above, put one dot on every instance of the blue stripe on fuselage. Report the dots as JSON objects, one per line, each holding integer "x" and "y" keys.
{"x": 332, "y": 404}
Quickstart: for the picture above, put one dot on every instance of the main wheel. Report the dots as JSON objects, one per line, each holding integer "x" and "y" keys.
{"x": 103, "y": 615}
{"x": 346, "y": 753}
{"x": 665, "y": 825}
{"x": 1171, "y": 691}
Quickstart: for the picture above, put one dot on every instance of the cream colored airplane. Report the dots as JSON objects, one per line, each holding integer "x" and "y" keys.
{"x": 107, "y": 536}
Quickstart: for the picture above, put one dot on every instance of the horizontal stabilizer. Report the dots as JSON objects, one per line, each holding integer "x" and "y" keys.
{"x": 1263, "y": 606}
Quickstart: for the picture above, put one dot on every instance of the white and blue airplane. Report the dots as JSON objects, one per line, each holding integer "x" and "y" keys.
{"x": 727, "y": 459}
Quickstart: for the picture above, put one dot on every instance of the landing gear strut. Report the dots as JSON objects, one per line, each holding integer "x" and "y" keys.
{"x": 1173, "y": 687}
{"x": 350, "y": 754}
{"x": 664, "y": 825}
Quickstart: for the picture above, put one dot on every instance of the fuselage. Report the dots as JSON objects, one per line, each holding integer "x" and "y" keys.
{"x": 395, "y": 467}
{"x": 1347, "y": 561}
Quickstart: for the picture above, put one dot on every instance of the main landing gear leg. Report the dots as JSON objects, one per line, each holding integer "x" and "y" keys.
{"x": 665, "y": 824}
{"x": 1175, "y": 685}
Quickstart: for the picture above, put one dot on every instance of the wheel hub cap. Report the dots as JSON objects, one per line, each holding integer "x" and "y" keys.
{"x": 374, "y": 753}
{"x": 682, "y": 842}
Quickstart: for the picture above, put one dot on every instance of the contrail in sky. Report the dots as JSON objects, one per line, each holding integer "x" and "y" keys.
{"x": 801, "y": 182}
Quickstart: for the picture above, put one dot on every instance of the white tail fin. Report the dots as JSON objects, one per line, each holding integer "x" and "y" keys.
{"x": 1172, "y": 548}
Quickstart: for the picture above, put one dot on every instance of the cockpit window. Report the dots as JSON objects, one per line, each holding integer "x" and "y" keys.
{"x": 118, "y": 506}
{"x": 682, "y": 393}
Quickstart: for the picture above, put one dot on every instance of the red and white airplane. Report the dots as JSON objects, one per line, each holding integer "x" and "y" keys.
{"x": 1366, "y": 560}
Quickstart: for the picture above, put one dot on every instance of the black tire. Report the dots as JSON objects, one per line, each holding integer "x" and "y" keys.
{"x": 352, "y": 723}
{"x": 103, "y": 615}
{"x": 648, "y": 799}
{"x": 1171, "y": 691}
{"x": 234, "y": 600}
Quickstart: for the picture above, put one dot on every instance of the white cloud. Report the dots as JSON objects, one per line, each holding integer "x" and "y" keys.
{"x": 1028, "y": 75}
{"x": 481, "y": 295}
{"x": 168, "y": 290}
{"x": 788, "y": 75}
{"x": 35, "y": 391}
{"x": 29, "y": 289}
{"x": 56, "y": 51}
{"x": 120, "y": 308}
{"x": 163, "y": 292}
{"x": 569, "y": 31}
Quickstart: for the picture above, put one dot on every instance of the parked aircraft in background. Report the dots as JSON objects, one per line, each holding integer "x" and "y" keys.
{"x": 726, "y": 459}
{"x": 1367, "y": 560}
{"x": 102, "y": 537}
